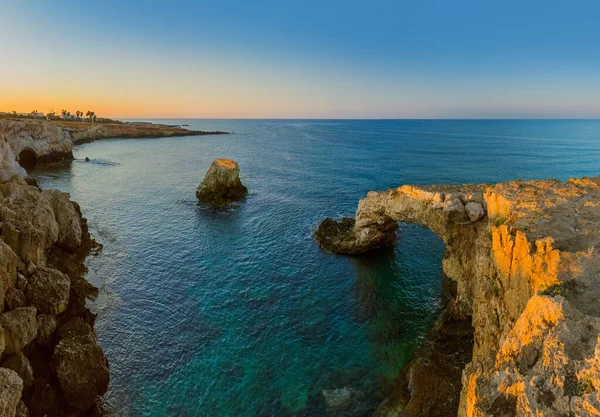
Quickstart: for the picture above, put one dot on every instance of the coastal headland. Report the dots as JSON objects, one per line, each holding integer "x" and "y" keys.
{"x": 519, "y": 335}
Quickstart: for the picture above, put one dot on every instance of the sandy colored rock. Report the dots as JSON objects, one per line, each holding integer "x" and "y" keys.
{"x": 20, "y": 328}
{"x": 527, "y": 276}
{"x": 10, "y": 392}
{"x": 221, "y": 184}
{"x": 48, "y": 290}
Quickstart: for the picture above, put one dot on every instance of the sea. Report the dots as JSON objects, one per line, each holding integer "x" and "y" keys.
{"x": 237, "y": 312}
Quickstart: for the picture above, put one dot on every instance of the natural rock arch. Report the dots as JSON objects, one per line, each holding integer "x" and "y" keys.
{"x": 522, "y": 255}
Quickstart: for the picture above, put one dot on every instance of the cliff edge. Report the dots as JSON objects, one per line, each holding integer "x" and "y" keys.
{"x": 522, "y": 260}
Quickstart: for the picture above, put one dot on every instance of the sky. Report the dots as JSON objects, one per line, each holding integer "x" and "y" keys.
{"x": 308, "y": 59}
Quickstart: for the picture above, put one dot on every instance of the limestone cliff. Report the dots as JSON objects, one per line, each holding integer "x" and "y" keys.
{"x": 50, "y": 361}
{"x": 34, "y": 141}
{"x": 522, "y": 256}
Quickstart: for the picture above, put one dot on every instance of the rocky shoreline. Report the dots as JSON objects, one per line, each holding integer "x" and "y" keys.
{"x": 50, "y": 361}
{"x": 42, "y": 142}
{"x": 521, "y": 260}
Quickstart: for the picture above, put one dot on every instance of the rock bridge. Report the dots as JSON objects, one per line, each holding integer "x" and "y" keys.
{"x": 523, "y": 257}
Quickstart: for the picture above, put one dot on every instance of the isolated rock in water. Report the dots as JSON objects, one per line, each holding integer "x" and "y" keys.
{"x": 474, "y": 211}
{"x": 81, "y": 369}
{"x": 20, "y": 328}
{"x": 222, "y": 184}
{"x": 11, "y": 386}
{"x": 342, "y": 236}
{"x": 48, "y": 290}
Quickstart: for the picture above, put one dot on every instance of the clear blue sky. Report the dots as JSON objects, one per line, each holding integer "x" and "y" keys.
{"x": 388, "y": 59}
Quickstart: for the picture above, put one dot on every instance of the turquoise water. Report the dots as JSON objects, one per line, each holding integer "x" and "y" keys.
{"x": 237, "y": 312}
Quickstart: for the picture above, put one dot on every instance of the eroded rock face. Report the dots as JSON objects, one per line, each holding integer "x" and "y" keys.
{"x": 222, "y": 184}
{"x": 36, "y": 142}
{"x": 522, "y": 256}
{"x": 341, "y": 236}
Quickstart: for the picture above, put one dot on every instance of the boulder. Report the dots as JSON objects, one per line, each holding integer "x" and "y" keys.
{"x": 20, "y": 364}
{"x": 342, "y": 236}
{"x": 82, "y": 370}
{"x": 20, "y": 328}
{"x": 221, "y": 184}
{"x": 475, "y": 211}
{"x": 15, "y": 299}
{"x": 11, "y": 386}
{"x": 67, "y": 218}
{"x": 47, "y": 324}
{"x": 48, "y": 290}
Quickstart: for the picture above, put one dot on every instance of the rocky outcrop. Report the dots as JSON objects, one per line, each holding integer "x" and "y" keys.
{"x": 521, "y": 257}
{"x": 44, "y": 241}
{"x": 26, "y": 143}
{"x": 36, "y": 142}
{"x": 341, "y": 236}
{"x": 221, "y": 184}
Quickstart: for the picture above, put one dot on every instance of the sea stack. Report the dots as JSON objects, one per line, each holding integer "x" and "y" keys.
{"x": 221, "y": 184}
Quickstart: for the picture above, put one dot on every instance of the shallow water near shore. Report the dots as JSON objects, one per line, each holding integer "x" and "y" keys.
{"x": 237, "y": 312}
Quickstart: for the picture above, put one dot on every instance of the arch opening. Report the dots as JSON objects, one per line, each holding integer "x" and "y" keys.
{"x": 27, "y": 158}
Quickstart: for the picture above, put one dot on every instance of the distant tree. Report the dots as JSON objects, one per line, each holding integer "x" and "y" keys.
{"x": 63, "y": 112}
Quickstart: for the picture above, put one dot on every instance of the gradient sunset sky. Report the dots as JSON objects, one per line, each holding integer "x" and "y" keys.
{"x": 305, "y": 59}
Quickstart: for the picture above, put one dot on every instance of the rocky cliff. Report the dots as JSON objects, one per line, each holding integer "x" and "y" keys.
{"x": 34, "y": 142}
{"x": 522, "y": 260}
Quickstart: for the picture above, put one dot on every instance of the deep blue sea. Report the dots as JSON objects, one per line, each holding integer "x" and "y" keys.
{"x": 237, "y": 313}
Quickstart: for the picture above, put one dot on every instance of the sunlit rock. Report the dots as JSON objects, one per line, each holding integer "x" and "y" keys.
{"x": 221, "y": 184}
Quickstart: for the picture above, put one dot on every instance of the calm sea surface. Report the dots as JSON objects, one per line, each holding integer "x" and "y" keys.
{"x": 237, "y": 313}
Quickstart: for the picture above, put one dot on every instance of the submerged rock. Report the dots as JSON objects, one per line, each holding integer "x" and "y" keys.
{"x": 341, "y": 399}
{"x": 342, "y": 236}
{"x": 222, "y": 184}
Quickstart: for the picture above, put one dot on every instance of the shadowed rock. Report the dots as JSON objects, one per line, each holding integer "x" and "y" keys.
{"x": 222, "y": 184}
{"x": 342, "y": 236}
{"x": 80, "y": 365}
